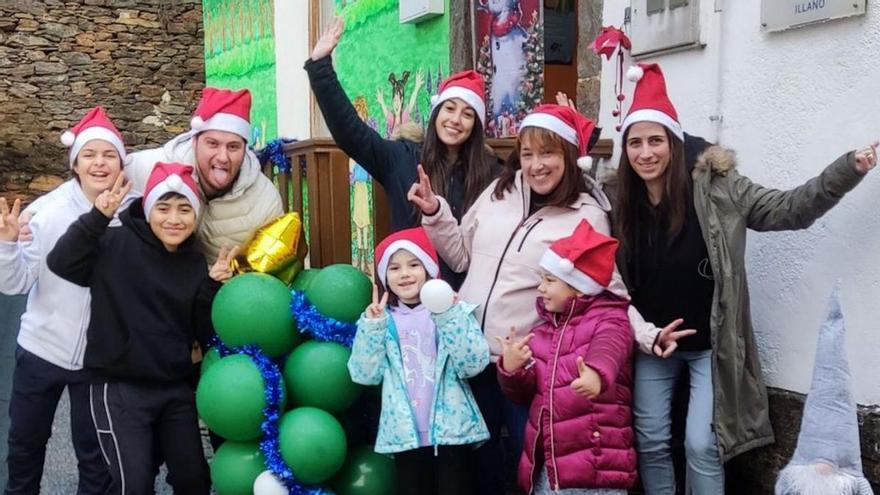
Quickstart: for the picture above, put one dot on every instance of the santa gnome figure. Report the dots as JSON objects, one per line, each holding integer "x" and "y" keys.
{"x": 828, "y": 459}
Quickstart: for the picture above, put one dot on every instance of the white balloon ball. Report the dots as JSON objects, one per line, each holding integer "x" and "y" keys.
{"x": 437, "y": 296}
{"x": 267, "y": 484}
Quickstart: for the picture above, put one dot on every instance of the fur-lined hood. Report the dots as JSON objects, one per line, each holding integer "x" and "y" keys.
{"x": 718, "y": 159}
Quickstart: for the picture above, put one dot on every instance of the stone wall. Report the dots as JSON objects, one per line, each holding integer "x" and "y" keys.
{"x": 142, "y": 60}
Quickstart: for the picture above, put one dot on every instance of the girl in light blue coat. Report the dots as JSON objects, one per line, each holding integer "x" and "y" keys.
{"x": 429, "y": 420}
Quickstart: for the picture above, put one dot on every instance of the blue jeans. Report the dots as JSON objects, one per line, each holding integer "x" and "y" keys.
{"x": 652, "y": 405}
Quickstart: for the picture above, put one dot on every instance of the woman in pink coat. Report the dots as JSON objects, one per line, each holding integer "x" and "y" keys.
{"x": 575, "y": 371}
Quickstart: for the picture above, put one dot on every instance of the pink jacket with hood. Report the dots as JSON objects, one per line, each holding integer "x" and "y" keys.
{"x": 584, "y": 443}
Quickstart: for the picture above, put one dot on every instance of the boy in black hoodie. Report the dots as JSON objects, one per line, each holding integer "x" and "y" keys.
{"x": 151, "y": 297}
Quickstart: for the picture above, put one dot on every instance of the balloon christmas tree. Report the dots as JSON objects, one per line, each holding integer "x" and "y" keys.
{"x": 276, "y": 381}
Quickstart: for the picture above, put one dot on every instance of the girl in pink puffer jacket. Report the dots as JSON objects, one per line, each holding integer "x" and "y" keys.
{"x": 575, "y": 371}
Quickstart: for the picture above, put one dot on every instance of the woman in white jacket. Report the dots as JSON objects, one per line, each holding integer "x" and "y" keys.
{"x": 52, "y": 338}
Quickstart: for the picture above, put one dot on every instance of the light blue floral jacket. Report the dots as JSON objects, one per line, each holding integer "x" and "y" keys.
{"x": 462, "y": 352}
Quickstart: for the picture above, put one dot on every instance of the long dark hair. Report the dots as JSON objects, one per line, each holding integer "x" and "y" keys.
{"x": 572, "y": 183}
{"x": 473, "y": 156}
{"x": 632, "y": 192}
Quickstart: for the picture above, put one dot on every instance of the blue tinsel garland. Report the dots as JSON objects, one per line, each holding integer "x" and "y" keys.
{"x": 269, "y": 445}
{"x": 273, "y": 153}
{"x": 322, "y": 328}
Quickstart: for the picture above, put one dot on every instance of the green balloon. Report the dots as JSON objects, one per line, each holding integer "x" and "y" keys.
{"x": 304, "y": 279}
{"x": 254, "y": 308}
{"x": 230, "y": 398}
{"x": 366, "y": 473}
{"x": 235, "y": 466}
{"x": 316, "y": 374}
{"x": 341, "y": 292}
{"x": 208, "y": 360}
{"x": 312, "y": 443}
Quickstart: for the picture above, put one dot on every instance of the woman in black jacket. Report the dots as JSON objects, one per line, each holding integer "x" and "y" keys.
{"x": 453, "y": 153}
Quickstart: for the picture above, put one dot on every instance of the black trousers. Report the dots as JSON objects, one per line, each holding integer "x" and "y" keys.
{"x": 134, "y": 421}
{"x": 36, "y": 388}
{"x": 446, "y": 471}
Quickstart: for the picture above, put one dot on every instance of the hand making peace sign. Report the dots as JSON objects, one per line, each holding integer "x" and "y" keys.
{"x": 515, "y": 352}
{"x": 9, "y": 227}
{"x": 221, "y": 270}
{"x": 377, "y": 308}
{"x": 422, "y": 195}
{"x": 108, "y": 201}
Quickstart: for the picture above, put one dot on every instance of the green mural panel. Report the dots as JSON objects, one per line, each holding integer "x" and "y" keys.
{"x": 240, "y": 53}
{"x": 389, "y": 70}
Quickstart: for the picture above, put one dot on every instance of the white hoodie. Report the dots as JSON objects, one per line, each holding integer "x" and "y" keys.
{"x": 53, "y": 327}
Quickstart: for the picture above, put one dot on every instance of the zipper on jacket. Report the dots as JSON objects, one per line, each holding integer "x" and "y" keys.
{"x": 529, "y": 231}
{"x": 495, "y": 277}
{"x": 535, "y": 451}
{"x": 553, "y": 387}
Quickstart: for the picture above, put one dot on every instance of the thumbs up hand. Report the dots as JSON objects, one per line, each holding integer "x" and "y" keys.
{"x": 588, "y": 383}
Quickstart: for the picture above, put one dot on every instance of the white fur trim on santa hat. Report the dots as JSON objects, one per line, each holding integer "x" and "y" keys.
{"x": 579, "y": 280}
{"x": 585, "y": 163}
{"x": 635, "y": 73}
{"x": 225, "y": 122}
{"x": 551, "y": 123}
{"x": 430, "y": 265}
{"x": 469, "y": 97}
{"x": 651, "y": 115}
{"x": 172, "y": 183}
{"x": 91, "y": 133}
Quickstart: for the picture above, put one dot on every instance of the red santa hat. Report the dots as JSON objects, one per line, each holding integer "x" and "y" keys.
{"x": 584, "y": 260}
{"x": 569, "y": 124}
{"x": 416, "y": 242}
{"x": 467, "y": 85}
{"x": 650, "y": 101}
{"x": 95, "y": 125}
{"x": 171, "y": 177}
{"x": 224, "y": 110}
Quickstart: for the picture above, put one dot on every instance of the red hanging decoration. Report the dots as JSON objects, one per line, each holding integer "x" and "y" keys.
{"x": 612, "y": 39}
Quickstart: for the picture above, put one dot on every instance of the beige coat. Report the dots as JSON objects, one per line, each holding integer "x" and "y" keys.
{"x": 500, "y": 246}
{"x": 228, "y": 220}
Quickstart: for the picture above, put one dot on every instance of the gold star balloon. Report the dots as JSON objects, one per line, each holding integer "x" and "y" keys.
{"x": 277, "y": 248}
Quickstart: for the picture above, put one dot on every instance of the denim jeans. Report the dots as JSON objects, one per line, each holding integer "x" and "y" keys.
{"x": 655, "y": 380}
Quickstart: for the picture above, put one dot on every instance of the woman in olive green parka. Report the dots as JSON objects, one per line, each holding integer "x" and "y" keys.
{"x": 681, "y": 213}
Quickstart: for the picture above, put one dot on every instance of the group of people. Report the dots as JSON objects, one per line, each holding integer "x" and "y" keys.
{"x": 121, "y": 264}
{"x": 579, "y": 301}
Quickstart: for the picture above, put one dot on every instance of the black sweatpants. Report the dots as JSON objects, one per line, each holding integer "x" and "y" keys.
{"x": 36, "y": 388}
{"x": 131, "y": 419}
{"x": 446, "y": 471}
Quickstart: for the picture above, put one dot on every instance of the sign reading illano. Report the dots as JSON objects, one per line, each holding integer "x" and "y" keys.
{"x": 777, "y": 15}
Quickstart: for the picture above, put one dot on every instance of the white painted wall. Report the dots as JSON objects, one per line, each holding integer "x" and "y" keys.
{"x": 292, "y": 84}
{"x": 791, "y": 103}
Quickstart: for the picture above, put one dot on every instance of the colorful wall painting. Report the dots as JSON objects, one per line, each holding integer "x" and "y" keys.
{"x": 509, "y": 53}
{"x": 389, "y": 70}
{"x": 240, "y": 53}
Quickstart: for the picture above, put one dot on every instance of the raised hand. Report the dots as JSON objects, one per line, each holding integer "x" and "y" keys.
{"x": 667, "y": 339}
{"x": 24, "y": 233}
{"x": 866, "y": 159}
{"x": 377, "y": 308}
{"x": 221, "y": 270}
{"x": 108, "y": 201}
{"x": 562, "y": 99}
{"x": 9, "y": 227}
{"x": 588, "y": 383}
{"x": 422, "y": 195}
{"x": 515, "y": 352}
{"x": 329, "y": 39}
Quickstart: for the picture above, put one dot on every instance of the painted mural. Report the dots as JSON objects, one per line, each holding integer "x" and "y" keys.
{"x": 509, "y": 45}
{"x": 389, "y": 70}
{"x": 240, "y": 53}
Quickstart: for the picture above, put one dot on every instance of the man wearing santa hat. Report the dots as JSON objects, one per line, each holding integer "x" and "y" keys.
{"x": 238, "y": 197}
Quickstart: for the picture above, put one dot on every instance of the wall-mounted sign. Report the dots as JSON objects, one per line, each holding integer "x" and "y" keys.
{"x": 777, "y": 15}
